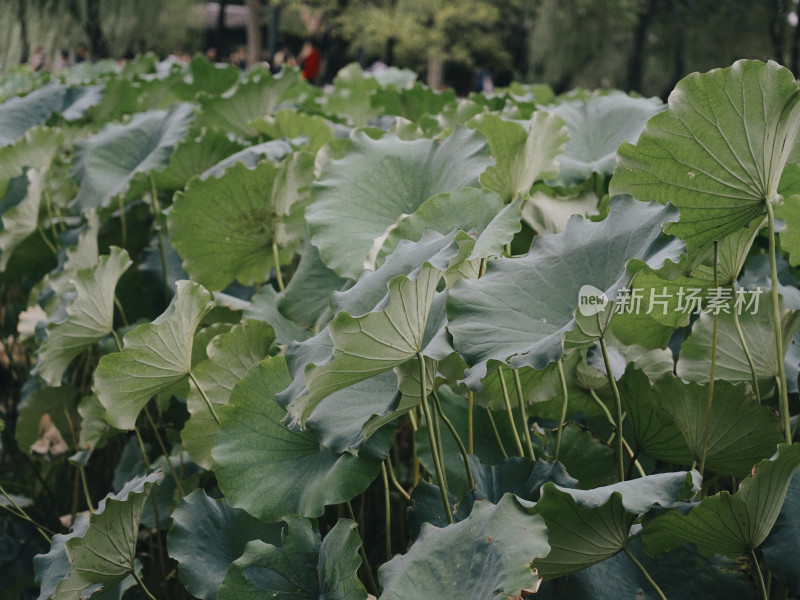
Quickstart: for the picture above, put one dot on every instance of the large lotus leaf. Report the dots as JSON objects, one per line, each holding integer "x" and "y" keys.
{"x": 306, "y": 296}
{"x": 290, "y": 124}
{"x": 682, "y": 573}
{"x": 549, "y": 209}
{"x": 89, "y": 316}
{"x": 374, "y": 331}
{"x": 729, "y": 524}
{"x": 224, "y": 228}
{"x": 207, "y": 535}
{"x": 522, "y": 308}
{"x": 588, "y": 459}
{"x": 19, "y": 114}
{"x": 19, "y": 211}
{"x": 731, "y": 362}
{"x": 653, "y": 430}
{"x": 263, "y": 307}
{"x": 789, "y": 211}
{"x": 488, "y": 555}
{"x": 301, "y": 568}
{"x": 250, "y": 100}
{"x": 250, "y": 156}
{"x": 35, "y": 149}
{"x": 718, "y": 151}
{"x": 782, "y": 546}
{"x": 155, "y": 356}
{"x": 270, "y": 471}
{"x": 106, "y": 553}
{"x": 230, "y": 354}
{"x": 208, "y": 77}
{"x": 741, "y": 431}
{"x": 585, "y": 527}
{"x": 350, "y": 96}
{"x": 377, "y": 181}
{"x": 412, "y": 103}
{"x": 106, "y": 162}
{"x": 524, "y": 154}
{"x": 597, "y": 126}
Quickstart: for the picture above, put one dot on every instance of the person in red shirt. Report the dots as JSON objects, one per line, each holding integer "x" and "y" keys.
{"x": 310, "y": 60}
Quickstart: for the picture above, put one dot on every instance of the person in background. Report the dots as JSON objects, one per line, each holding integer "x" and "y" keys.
{"x": 82, "y": 54}
{"x": 38, "y": 62}
{"x": 61, "y": 60}
{"x": 310, "y": 61}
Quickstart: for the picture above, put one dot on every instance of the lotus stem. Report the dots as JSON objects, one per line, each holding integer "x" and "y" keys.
{"x": 746, "y": 349}
{"x": 526, "y": 431}
{"x": 437, "y": 464}
{"x": 457, "y": 438}
{"x": 160, "y": 234}
{"x": 564, "y": 402}
{"x": 276, "y": 259}
{"x": 470, "y": 428}
{"x": 711, "y": 375}
{"x": 507, "y": 402}
{"x": 142, "y": 585}
{"x": 164, "y": 451}
{"x": 760, "y": 575}
{"x": 388, "y": 502}
{"x": 496, "y": 433}
{"x": 203, "y": 394}
{"x": 646, "y": 575}
{"x": 362, "y": 552}
{"x": 394, "y": 481}
{"x": 618, "y": 406}
{"x": 625, "y": 444}
{"x": 20, "y": 512}
{"x": 776, "y": 317}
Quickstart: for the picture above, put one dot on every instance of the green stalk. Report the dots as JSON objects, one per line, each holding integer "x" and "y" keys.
{"x": 363, "y": 552}
{"x": 432, "y": 440}
{"x": 564, "y": 401}
{"x": 526, "y": 431}
{"x": 388, "y": 501}
{"x": 142, "y": 585}
{"x": 203, "y": 394}
{"x": 394, "y": 481}
{"x": 164, "y": 451}
{"x": 121, "y": 310}
{"x": 457, "y": 438}
{"x": 276, "y": 258}
{"x": 508, "y": 409}
{"x": 85, "y": 485}
{"x": 746, "y": 349}
{"x": 593, "y": 395}
{"x": 711, "y": 376}
{"x": 496, "y": 433}
{"x": 776, "y": 317}
{"x": 646, "y": 575}
{"x": 618, "y": 406}
{"x": 764, "y": 594}
{"x": 122, "y": 223}
{"x": 161, "y": 246}
{"x": 470, "y": 428}
{"x": 141, "y": 447}
{"x": 20, "y": 512}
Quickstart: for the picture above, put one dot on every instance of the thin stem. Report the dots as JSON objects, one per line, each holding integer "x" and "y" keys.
{"x": 457, "y": 438}
{"x": 433, "y": 443}
{"x": 776, "y": 318}
{"x": 746, "y": 349}
{"x": 564, "y": 403}
{"x": 20, "y": 512}
{"x": 203, "y": 394}
{"x": 388, "y": 501}
{"x": 646, "y": 575}
{"x": 618, "y": 406}
{"x": 160, "y": 234}
{"x": 159, "y": 542}
{"x": 47, "y": 242}
{"x": 121, "y": 310}
{"x": 276, "y": 259}
{"x": 141, "y": 447}
{"x": 122, "y": 222}
{"x": 470, "y": 428}
{"x": 394, "y": 481}
{"x": 625, "y": 444}
{"x": 603, "y": 406}
{"x": 496, "y": 433}
{"x": 142, "y": 585}
{"x": 85, "y": 486}
{"x": 764, "y": 594}
{"x": 526, "y": 431}
{"x": 363, "y": 552}
{"x": 507, "y": 402}
{"x": 116, "y": 340}
{"x": 48, "y": 202}
{"x": 711, "y": 375}
{"x": 164, "y": 451}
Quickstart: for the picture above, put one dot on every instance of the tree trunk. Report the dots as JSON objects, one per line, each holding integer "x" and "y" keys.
{"x": 636, "y": 58}
{"x": 219, "y": 35}
{"x": 22, "y": 9}
{"x": 795, "y": 50}
{"x": 435, "y": 69}
{"x": 777, "y": 30}
{"x": 253, "y": 32}
{"x": 94, "y": 31}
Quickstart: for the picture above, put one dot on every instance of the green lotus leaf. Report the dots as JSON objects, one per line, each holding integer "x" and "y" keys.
{"x": 729, "y": 524}
{"x": 717, "y": 152}
{"x": 741, "y": 431}
{"x": 524, "y": 154}
{"x": 19, "y": 211}
{"x": 289, "y": 124}
{"x": 207, "y": 535}
{"x": 208, "y": 77}
{"x": 106, "y": 553}
{"x": 230, "y": 355}
{"x": 597, "y": 126}
{"x": 783, "y": 543}
{"x": 35, "y": 149}
{"x": 250, "y": 156}
{"x": 522, "y": 310}
{"x": 732, "y": 365}
{"x": 412, "y": 103}
{"x": 359, "y": 196}
{"x": 271, "y": 471}
{"x": 488, "y": 555}
{"x": 789, "y": 211}
{"x": 350, "y": 97}
{"x": 89, "y": 316}
{"x": 106, "y": 162}
{"x": 59, "y": 405}
{"x": 19, "y": 114}
{"x": 682, "y": 573}
{"x": 549, "y": 209}
{"x": 224, "y": 228}
{"x": 95, "y": 431}
{"x": 302, "y": 567}
{"x": 264, "y": 307}
{"x": 250, "y": 100}
{"x": 585, "y": 527}
{"x": 586, "y": 457}
{"x": 155, "y": 356}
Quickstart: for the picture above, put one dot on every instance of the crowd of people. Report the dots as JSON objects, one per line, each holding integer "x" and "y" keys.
{"x": 39, "y": 61}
